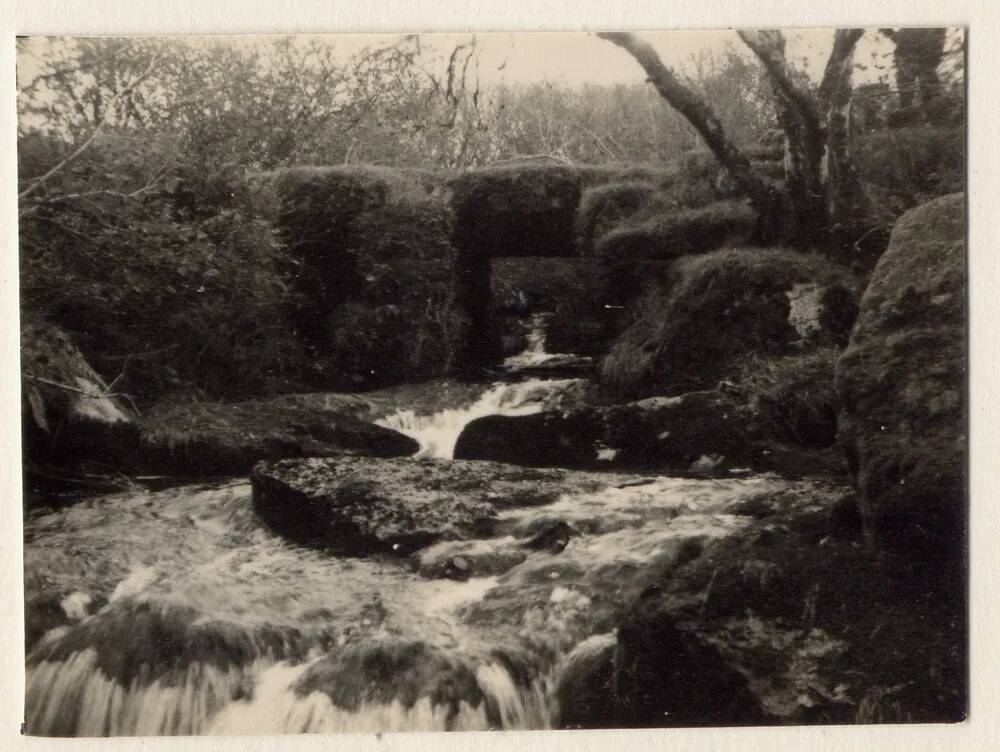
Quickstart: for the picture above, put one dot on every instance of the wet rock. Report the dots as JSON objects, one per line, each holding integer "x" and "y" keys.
{"x": 902, "y": 386}
{"x": 654, "y": 675}
{"x": 845, "y": 518}
{"x": 145, "y": 640}
{"x": 553, "y": 538}
{"x": 42, "y": 613}
{"x": 551, "y": 439}
{"x": 70, "y": 413}
{"x": 460, "y": 560}
{"x": 385, "y": 672}
{"x": 667, "y": 677}
{"x": 585, "y": 691}
{"x": 360, "y": 505}
{"x": 653, "y": 433}
{"x": 202, "y": 439}
{"x": 99, "y": 669}
{"x": 797, "y": 461}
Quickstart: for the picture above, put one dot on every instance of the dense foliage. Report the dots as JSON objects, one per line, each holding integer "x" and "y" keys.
{"x": 148, "y": 233}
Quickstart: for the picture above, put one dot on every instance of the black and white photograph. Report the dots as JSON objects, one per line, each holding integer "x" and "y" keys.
{"x": 493, "y": 381}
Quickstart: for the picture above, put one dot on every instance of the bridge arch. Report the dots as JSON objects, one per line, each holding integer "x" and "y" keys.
{"x": 509, "y": 211}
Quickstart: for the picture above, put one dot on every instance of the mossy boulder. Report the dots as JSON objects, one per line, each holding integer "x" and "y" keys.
{"x": 69, "y": 413}
{"x": 604, "y": 207}
{"x": 365, "y": 505}
{"x": 680, "y": 232}
{"x": 691, "y": 331}
{"x": 204, "y": 439}
{"x": 385, "y": 672}
{"x": 901, "y": 383}
{"x": 516, "y": 210}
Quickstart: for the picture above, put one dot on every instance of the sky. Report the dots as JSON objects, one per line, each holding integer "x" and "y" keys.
{"x": 568, "y": 58}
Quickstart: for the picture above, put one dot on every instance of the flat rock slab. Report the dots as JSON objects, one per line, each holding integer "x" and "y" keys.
{"x": 359, "y": 505}
{"x": 203, "y": 439}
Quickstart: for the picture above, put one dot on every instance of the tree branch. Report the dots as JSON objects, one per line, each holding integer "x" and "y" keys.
{"x": 108, "y": 111}
{"x": 697, "y": 112}
{"x": 769, "y": 47}
{"x": 837, "y": 73}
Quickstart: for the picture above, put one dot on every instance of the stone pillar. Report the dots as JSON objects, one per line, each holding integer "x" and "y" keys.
{"x": 478, "y": 346}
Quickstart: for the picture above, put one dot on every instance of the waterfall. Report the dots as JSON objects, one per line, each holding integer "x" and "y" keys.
{"x": 438, "y": 433}
{"x": 535, "y": 354}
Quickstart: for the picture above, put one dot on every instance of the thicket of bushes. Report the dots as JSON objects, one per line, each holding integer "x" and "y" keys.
{"x": 180, "y": 288}
{"x": 906, "y": 167}
{"x": 224, "y": 284}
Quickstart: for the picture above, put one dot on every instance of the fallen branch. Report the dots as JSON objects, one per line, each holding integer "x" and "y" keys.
{"x": 91, "y": 394}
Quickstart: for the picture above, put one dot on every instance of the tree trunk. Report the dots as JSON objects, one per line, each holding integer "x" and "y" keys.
{"x": 763, "y": 196}
{"x": 822, "y": 192}
{"x": 917, "y": 56}
{"x": 846, "y": 205}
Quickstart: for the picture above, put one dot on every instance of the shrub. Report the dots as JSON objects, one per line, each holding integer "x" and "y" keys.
{"x": 179, "y": 288}
{"x": 690, "y": 330}
{"x": 910, "y": 166}
{"x": 790, "y": 399}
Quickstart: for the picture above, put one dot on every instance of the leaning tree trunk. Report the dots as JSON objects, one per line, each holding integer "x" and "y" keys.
{"x": 822, "y": 191}
{"x": 763, "y": 195}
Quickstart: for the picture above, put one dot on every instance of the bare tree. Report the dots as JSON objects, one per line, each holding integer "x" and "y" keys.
{"x": 822, "y": 199}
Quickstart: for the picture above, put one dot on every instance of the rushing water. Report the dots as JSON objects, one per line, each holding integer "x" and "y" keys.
{"x": 202, "y": 620}
{"x": 179, "y": 612}
{"x": 438, "y": 433}
{"x": 534, "y": 353}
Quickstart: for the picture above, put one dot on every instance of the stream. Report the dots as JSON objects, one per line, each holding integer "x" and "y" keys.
{"x": 181, "y": 613}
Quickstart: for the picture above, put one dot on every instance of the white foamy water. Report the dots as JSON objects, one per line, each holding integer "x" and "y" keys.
{"x": 214, "y": 624}
{"x": 438, "y": 433}
{"x": 535, "y": 354}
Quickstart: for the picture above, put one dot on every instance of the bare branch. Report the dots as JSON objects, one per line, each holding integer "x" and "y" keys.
{"x": 149, "y": 186}
{"x": 108, "y": 111}
{"x": 769, "y": 47}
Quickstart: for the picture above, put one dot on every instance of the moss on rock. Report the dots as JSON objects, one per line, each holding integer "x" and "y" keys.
{"x": 902, "y": 386}
{"x": 204, "y": 439}
{"x": 516, "y": 210}
{"x": 690, "y": 331}
{"x": 680, "y": 232}
{"x": 604, "y": 207}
